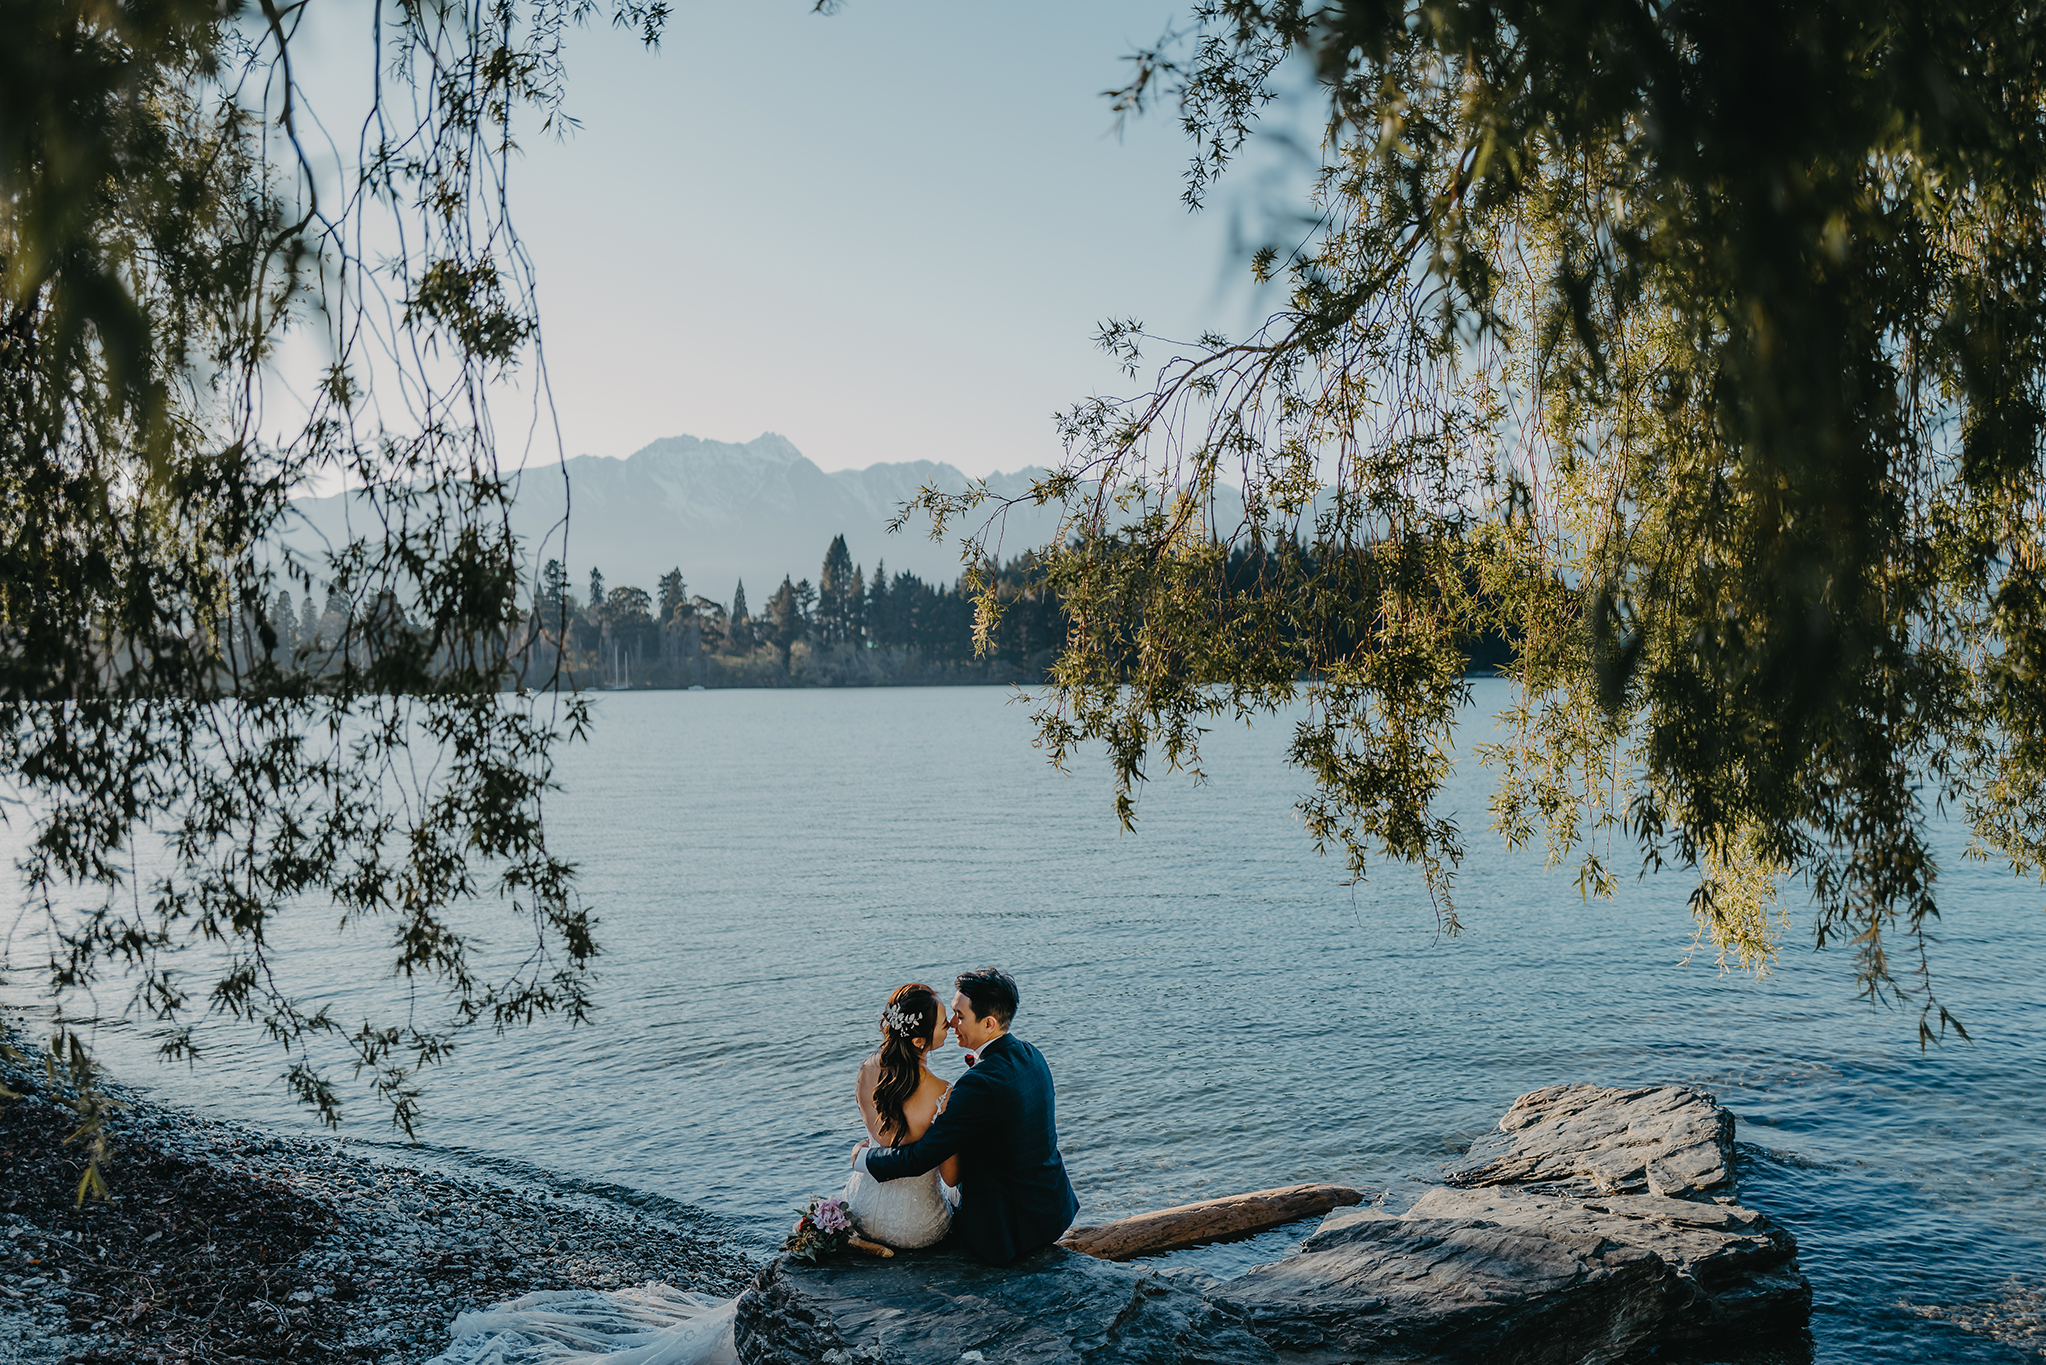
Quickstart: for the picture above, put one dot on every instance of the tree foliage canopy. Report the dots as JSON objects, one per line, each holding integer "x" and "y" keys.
{"x": 181, "y": 772}
{"x": 1694, "y": 346}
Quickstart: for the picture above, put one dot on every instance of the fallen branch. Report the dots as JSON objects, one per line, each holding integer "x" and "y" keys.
{"x": 1210, "y": 1220}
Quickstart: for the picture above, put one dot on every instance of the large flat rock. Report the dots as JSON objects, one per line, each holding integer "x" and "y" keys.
{"x": 1057, "y": 1307}
{"x": 1665, "y": 1139}
{"x": 1412, "y": 1289}
{"x": 1595, "y": 1225}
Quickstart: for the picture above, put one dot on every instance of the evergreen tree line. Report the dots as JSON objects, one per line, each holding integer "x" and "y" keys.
{"x": 845, "y": 629}
{"x": 291, "y": 632}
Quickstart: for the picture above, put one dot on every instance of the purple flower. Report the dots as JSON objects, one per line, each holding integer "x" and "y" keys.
{"x": 831, "y": 1216}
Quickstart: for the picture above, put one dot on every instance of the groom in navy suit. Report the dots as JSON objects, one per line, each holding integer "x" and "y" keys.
{"x": 1013, "y": 1194}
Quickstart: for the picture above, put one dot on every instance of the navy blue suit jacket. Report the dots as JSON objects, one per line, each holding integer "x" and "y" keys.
{"x": 1013, "y": 1194}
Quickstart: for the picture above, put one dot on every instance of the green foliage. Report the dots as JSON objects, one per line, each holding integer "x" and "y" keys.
{"x": 1697, "y": 349}
{"x": 674, "y": 595}
{"x": 468, "y": 303}
{"x": 840, "y": 603}
{"x": 187, "y": 765}
{"x": 70, "y": 1072}
{"x": 901, "y": 630}
{"x": 787, "y": 622}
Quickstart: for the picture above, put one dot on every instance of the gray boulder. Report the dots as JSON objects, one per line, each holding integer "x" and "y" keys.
{"x": 1663, "y": 1139}
{"x": 1594, "y": 1225}
{"x": 1056, "y": 1307}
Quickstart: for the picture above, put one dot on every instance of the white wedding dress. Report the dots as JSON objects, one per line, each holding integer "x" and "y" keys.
{"x": 656, "y": 1324}
{"x": 915, "y": 1211}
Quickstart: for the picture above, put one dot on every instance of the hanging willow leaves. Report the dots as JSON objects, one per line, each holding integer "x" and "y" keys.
{"x": 186, "y": 776}
{"x": 1694, "y": 348}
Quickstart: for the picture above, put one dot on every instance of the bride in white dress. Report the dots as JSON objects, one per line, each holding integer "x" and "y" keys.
{"x": 659, "y": 1325}
{"x": 900, "y": 1098}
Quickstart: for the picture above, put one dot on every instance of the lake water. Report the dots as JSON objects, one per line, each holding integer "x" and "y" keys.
{"x": 1220, "y": 1012}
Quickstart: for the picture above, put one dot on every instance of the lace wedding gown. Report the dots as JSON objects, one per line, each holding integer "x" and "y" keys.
{"x": 912, "y": 1212}
{"x": 659, "y": 1325}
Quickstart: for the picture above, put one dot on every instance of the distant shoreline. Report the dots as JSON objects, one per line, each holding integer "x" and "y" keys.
{"x": 804, "y": 684}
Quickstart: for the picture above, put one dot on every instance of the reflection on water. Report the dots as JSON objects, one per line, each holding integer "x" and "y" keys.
{"x": 1221, "y": 1014}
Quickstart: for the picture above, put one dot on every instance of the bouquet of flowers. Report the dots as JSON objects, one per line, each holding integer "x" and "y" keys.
{"x": 825, "y": 1227}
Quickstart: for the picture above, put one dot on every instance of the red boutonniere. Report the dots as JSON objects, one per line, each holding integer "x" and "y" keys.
{"x": 971, "y": 1059}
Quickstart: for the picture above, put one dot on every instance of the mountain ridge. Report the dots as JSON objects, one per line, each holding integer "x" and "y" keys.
{"x": 725, "y": 512}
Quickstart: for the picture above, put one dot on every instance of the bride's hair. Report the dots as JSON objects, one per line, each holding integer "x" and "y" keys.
{"x": 906, "y": 1027}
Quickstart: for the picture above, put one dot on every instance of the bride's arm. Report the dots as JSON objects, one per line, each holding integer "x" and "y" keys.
{"x": 948, "y": 1169}
{"x": 870, "y": 1071}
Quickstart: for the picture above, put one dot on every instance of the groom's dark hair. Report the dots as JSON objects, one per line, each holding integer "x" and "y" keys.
{"x": 992, "y": 993}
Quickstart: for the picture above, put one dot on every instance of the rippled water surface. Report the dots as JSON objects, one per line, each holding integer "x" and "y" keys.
{"x": 1220, "y": 1012}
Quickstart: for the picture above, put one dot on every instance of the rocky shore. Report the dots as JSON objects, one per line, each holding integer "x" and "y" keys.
{"x": 223, "y": 1244}
{"x": 1593, "y": 1225}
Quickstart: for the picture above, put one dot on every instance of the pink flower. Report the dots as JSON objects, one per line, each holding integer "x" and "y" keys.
{"x": 831, "y": 1216}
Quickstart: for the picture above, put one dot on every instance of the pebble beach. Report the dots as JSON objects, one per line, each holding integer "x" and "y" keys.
{"x": 222, "y": 1243}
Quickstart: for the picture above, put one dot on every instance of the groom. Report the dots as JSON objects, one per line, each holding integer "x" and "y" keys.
{"x": 1013, "y": 1193}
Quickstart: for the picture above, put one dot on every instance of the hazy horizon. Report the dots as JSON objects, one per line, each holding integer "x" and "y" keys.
{"x": 888, "y": 233}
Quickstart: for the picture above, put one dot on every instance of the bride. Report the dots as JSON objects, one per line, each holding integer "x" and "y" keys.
{"x": 899, "y": 1097}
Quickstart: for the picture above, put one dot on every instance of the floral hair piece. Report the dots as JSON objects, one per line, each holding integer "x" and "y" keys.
{"x": 898, "y": 1020}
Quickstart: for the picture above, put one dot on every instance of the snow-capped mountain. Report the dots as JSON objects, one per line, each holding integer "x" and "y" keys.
{"x": 723, "y": 512}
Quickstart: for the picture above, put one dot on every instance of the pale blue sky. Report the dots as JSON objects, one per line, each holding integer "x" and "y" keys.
{"x": 887, "y": 233}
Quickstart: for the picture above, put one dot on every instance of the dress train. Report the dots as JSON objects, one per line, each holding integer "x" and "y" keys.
{"x": 657, "y": 1324}
{"x": 654, "y": 1324}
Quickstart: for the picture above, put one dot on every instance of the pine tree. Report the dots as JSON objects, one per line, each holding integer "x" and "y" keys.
{"x": 785, "y": 617}
{"x": 834, "y": 584}
{"x": 284, "y": 620}
{"x": 596, "y": 591}
{"x": 878, "y": 603}
{"x": 553, "y": 601}
{"x": 308, "y": 623}
{"x": 856, "y": 607}
{"x": 739, "y": 626}
{"x": 673, "y": 594}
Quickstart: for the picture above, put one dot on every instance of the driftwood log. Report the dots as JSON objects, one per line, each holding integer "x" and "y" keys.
{"x": 1211, "y": 1220}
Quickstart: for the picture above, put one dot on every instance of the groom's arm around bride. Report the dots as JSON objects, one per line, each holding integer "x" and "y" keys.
{"x": 1000, "y": 1121}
